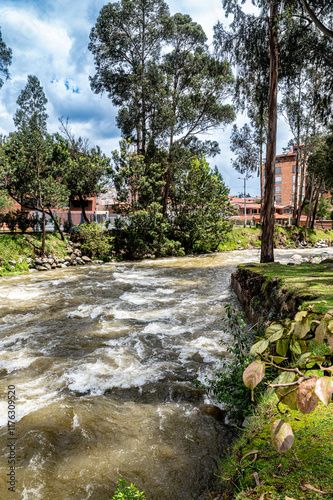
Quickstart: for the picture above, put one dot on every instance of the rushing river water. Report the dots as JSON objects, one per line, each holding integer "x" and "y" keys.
{"x": 103, "y": 361}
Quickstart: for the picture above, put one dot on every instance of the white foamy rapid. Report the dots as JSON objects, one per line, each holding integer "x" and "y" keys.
{"x": 103, "y": 361}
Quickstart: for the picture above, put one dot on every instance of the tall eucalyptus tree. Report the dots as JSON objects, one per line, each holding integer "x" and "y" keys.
{"x": 280, "y": 16}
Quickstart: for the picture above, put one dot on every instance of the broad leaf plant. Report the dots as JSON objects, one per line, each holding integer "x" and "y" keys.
{"x": 298, "y": 349}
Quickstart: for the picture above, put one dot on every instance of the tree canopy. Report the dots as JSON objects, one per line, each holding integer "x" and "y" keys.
{"x": 5, "y": 61}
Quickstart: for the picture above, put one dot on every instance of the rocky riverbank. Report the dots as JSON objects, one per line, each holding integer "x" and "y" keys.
{"x": 21, "y": 253}
{"x": 74, "y": 258}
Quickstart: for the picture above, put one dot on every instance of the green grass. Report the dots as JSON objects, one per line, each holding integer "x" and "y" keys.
{"x": 240, "y": 237}
{"x": 283, "y": 237}
{"x": 306, "y": 279}
{"x": 23, "y": 246}
{"x": 308, "y": 462}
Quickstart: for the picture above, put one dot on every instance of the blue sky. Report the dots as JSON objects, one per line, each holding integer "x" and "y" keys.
{"x": 49, "y": 39}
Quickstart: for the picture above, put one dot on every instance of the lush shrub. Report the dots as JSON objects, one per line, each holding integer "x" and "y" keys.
{"x": 127, "y": 492}
{"x": 227, "y": 383}
{"x": 95, "y": 240}
{"x": 145, "y": 233}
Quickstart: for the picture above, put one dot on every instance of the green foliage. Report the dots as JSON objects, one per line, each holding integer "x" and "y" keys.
{"x": 18, "y": 246}
{"x": 31, "y": 113}
{"x": 197, "y": 219}
{"x": 5, "y": 60}
{"x": 95, "y": 240}
{"x": 242, "y": 143}
{"x": 158, "y": 69}
{"x": 296, "y": 385}
{"x": 227, "y": 384}
{"x": 127, "y": 492}
{"x": 200, "y": 208}
{"x": 5, "y": 201}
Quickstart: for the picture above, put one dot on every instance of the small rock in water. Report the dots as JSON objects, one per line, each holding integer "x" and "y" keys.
{"x": 212, "y": 410}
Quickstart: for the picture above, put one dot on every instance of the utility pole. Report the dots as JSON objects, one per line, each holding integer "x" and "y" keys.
{"x": 245, "y": 177}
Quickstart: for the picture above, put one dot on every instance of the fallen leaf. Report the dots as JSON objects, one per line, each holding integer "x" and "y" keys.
{"x": 310, "y": 487}
{"x": 289, "y": 498}
{"x": 262, "y": 496}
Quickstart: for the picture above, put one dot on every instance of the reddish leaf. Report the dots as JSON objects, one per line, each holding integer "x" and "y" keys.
{"x": 324, "y": 389}
{"x": 254, "y": 374}
{"x": 321, "y": 332}
{"x": 307, "y": 400}
{"x": 282, "y": 436}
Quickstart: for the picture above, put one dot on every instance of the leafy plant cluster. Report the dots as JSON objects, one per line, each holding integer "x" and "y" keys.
{"x": 197, "y": 218}
{"x": 301, "y": 351}
{"x": 127, "y": 492}
{"x": 227, "y": 384}
{"x": 95, "y": 240}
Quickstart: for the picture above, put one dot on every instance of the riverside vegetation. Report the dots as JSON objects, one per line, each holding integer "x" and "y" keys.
{"x": 285, "y": 450}
{"x": 18, "y": 250}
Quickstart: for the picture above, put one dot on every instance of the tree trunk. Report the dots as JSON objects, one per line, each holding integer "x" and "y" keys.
{"x": 294, "y": 221}
{"x": 299, "y": 212}
{"x": 43, "y": 231}
{"x": 261, "y": 176}
{"x": 166, "y": 188}
{"x": 267, "y": 243}
{"x": 83, "y": 210}
{"x": 315, "y": 207}
{"x": 56, "y": 224}
{"x": 309, "y": 210}
{"x": 297, "y": 154}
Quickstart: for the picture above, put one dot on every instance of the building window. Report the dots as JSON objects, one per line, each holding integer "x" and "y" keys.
{"x": 294, "y": 169}
{"x": 278, "y": 170}
{"x": 293, "y": 188}
{"x": 278, "y": 189}
{"x": 278, "y": 199}
{"x": 294, "y": 178}
{"x": 278, "y": 180}
{"x": 278, "y": 160}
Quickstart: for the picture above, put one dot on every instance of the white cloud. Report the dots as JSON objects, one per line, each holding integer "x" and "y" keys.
{"x": 50, "y": 39}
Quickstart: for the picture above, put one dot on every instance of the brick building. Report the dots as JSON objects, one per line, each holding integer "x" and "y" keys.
{"x": 285, "y": 177}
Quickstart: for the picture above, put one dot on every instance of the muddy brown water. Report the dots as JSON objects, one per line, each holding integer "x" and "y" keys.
{"x": 103, "y": 360}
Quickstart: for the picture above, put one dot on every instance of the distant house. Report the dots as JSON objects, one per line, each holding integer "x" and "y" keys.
{"x": 253, "y": 209}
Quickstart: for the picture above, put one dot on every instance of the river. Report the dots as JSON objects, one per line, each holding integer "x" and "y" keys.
{"x": 103, "y": 360}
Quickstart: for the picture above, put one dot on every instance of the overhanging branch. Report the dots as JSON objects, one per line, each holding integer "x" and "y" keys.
{"x": 314, "y": 18}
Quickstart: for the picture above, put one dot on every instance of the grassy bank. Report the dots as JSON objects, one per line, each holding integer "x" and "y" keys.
{"x": 20, "y": 247}
{"x": 310, "y": 282}
{"x": 290, "y": 237}
{"x": 254, "y": 469}
{"x": 264, "y": 474}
